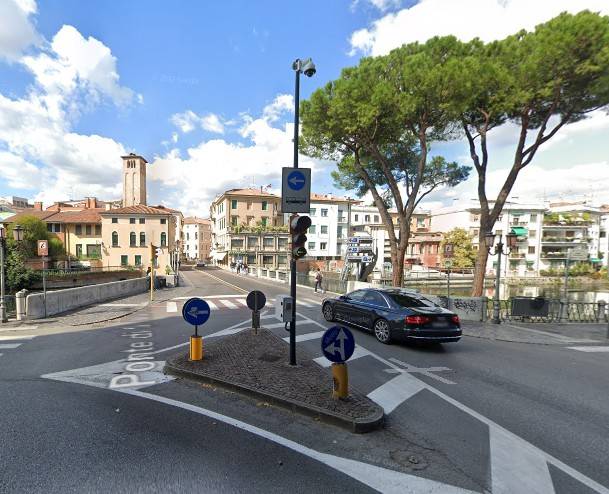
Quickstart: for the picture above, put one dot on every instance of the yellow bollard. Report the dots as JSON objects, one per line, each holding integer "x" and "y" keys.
{"x": 196, "y": 348}
{"x": 340, "y": 376}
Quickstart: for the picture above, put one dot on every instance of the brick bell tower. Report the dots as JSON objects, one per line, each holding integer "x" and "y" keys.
{"x": 134, "y": 180}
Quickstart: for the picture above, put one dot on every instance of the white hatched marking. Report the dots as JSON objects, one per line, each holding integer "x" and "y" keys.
{"x": 242, "y": 301}
{"x": 205, "y": 297}
{"x": 315, "y": 303}
{"x": 590, "y": 349}
{"x": 172, "y": 307}
{"x": 229, "y": 304}
{"x": 357, "y": 353}
{"x": 305, "y": 337}
{"x": 396, "y": 391}
{"x": 122, "y": 305}
{"x": 212, "y": 306}
{"x": 303, "y": 303}
{"x": 17, "y": 337}
{"x": 7, "y": 346}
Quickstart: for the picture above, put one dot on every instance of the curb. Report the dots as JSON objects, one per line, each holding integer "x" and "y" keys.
{"x": 358, "y": 426}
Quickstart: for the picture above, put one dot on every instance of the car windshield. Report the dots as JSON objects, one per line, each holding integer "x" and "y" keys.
{"x": 407, "y": 300}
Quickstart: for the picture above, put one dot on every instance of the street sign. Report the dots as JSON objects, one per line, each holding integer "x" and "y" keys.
{"x": 366, "y": 258}
{"x": 295, "y": 190}
{"x": 43, "y": 248}
{"x": 196, "y": 311}
{"x": 352, "y": 248}
{"x": 338, "y": 344}
{"x": 255, "y": 300}
{"x": 353, "y": 240}
{"x": 354, "y": 258}
{"x": 578, "y": 254}
{"x": 449, "y": 250}
{"x": 448, "y": 264}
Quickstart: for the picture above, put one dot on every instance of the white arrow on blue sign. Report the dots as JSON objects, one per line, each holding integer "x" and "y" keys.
{"x": 296, "y": 180}
{"x": 196, "y": 311}
{"x": 338, "y": 344}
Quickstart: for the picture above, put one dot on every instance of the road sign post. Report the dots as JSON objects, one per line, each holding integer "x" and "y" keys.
{"x": 255, "y": 300}
{"x": 338, "y": 345}
{"x": 196, "y": 312}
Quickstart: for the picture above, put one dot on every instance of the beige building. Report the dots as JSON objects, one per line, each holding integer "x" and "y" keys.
{"x": 197, "y": 238}
{"x": 248, "y": 227}
{"x": 134, "y": 180}
{"x": 128, "y": 232}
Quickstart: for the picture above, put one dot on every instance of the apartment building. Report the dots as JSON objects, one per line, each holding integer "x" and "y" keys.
{"x": 327, "y": 236}
{"x": 247, "y": 226}
{"x": 197, "y": 238}
{"x": 603, "y": 240}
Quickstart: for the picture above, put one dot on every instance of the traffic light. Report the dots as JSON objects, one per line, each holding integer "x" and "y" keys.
{"x": 298, "y": 226}
{"x": 154, "y": 254}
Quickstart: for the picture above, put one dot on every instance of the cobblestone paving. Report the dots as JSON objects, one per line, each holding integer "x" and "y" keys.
{"x": 260, "y": 362}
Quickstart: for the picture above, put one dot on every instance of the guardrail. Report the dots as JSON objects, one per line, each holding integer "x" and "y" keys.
{"x": 578, "y": 312}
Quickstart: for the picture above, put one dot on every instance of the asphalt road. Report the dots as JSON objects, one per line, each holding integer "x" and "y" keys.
{"x": 479, "y": 415}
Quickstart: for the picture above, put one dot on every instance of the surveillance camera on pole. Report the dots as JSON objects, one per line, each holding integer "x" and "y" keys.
{"x": 307, "y": 67}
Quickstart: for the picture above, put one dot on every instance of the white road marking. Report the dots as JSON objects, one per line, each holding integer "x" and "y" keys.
{"x": 23, "y": 328}
{"x": 18, "y": 337}
{"x": 305, "y": 337}
{"x": 172, "y": 307}
{"x": 590, "y": 349}
{"x": 559, "y": 337}
{"x": 123, "y": 305}
{"x": 303, "y": 303}
{"x": 242, "y": 301}
{"x": 516, "y": 467}
{"x": 212, "y": 306}
{"x": 381, "y": 479}
{"x": 395, "y": 392}
{"x": 314, "y": 303}
{"x": 426, "y": 371}
{"x": 357, "y": 353}
{"x": 7, "y": 346}
{"x": 205, "y": 297}
{"x": 229, "y": 304}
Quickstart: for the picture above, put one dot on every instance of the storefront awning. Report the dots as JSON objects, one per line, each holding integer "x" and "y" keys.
{"x": 595, "y": 260}
{"x": 220, "y": 256}
{"x": 519, "y": 231}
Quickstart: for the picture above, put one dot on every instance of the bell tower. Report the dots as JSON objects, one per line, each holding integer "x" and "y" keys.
{"x": 134, "y": 180}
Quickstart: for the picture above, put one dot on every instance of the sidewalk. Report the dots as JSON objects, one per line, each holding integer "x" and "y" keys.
{"x": 538, "y": 333}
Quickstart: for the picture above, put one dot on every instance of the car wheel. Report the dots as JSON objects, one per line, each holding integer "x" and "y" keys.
{"x": 328, "y": 312}
{"x": 381, "y": 331}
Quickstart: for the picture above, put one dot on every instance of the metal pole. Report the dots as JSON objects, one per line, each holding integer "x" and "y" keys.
{"x": 448, "y": 289}
{"x": 293, "y": 261}
{"x": 496, "y": 299}
{"x": 44, "y": 286}
{"x": 564, "y": 308}
{"x": 3, "y": 317}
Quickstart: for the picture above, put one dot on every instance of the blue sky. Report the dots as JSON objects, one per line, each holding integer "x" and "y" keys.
{"x": 203, "y": 90}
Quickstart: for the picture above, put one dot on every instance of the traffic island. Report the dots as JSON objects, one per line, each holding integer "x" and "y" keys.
{"x": 257, "y": 365}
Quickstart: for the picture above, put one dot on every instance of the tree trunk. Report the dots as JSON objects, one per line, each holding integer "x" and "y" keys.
{"x": 481, "y": 260}
{"x": 398, "y": 266}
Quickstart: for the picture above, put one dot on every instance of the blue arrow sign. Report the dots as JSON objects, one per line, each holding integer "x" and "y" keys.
{"x": 196, "y": 311}
{"x": 296, "y": 180}
{"x": 338, "y": 344}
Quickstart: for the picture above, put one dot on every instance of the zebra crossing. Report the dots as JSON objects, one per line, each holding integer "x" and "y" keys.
{"x": 11, "y": 342}
{"x": 233, "y": 302}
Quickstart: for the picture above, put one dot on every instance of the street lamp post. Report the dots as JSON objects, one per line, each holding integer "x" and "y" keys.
{"x": 498, "y": 251}
{"x": 307, "y": 67}
{"x": 18, "y": 236}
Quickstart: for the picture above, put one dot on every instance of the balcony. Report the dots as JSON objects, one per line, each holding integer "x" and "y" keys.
{"x": 342, "y": 219}
{"x": 564, "y": 240}
{"x": 517, "y": 255}
{"x": 553, "y": 255}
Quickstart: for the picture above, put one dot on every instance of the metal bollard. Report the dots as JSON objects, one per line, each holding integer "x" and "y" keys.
{"x": 196, "y": 348}
{"x": 340, "y": 376}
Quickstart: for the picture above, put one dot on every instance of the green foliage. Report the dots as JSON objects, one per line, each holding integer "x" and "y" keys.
{"x": 17, "y": 275}
{"x": 464, "y": 255}
{"x": 34, "y": 229}
{"x": 56, "y": 248}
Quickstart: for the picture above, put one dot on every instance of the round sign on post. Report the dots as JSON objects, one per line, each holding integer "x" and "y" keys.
{"x": 338, "y": 344}
{"x": 196, "y": 311}
{"x": 296, "y": 180}
{"x": 255, "y": 300}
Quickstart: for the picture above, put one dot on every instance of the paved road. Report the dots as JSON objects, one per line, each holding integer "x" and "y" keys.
{"x": 480, "y": 415}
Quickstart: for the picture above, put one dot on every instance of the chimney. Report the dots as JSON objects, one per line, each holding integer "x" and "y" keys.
{"x": 261, "y": 189}
{"x": 108, "y": 206}
{"x": 38, "y": 206}
{"x": 91, "y": 203}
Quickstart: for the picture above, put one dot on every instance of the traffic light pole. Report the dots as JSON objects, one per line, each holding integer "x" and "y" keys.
{"x": 293, "y": 259}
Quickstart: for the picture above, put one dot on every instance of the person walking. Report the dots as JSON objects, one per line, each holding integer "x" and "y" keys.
{"x": 318, "y": 279}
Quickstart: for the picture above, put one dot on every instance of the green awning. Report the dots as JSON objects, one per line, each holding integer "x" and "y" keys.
{"x": 519, "y": 231}
{"x": 594, "y": 259}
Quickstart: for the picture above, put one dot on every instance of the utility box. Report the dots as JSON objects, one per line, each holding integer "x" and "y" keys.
{"x": 284, "y": 305}
{"x": 530, "y": 307}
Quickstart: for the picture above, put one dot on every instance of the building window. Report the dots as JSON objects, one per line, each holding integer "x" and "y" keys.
{"x": 531, "y": 249}
{"x": 282, "y": 243}
{"x": 114, "y": 239}
{"x": 114, "y": 220}
{"x": 312, "y": 211}
{"x": 142, "y": 239}
{"x": 132, "y": 240}
{"x": 163, "y": 221}
{"x": 251, "y": 258}
{"x": 124, "y": 260}
{"x": 367, "y": 218}
{"x": 339, "y": 231}
{"x": 282, "y": 260}
{"x": 236, "y": 243}
{"x": 323, "y": 245}
{"x": 602, "y": 234}
{"x": 267, "y": 260}
{"x": 132, "y": 221}
{"x": 311, "y": 245}
{"x": 265, "y": 221}
{"x": 312, "y": 229}
{"x": 324, "y": 212}
{"x": 376, "y": 219}
{"x": 79, "y": 250}
{"x": 265, "y": 205}
{"x": 252, "y": 242}
{"x": 163, "y": 239}
{"x": 97, "y": 229}
{"x": 324, "y": 229}
{"x": 356, "y": 217}
{"x": 196, "y": 235}
{"x": 249, "y": 205}
{"x": 142, "y": 221}
{"x": 78, "y": 230}
{"x": 233, "y": 204}
{"x": 533, "y": 218}
{"x": 88, "y": 230}
{"x": 138, "y": 260}
{"x": 532, "y": 233}
{"x": 234, "y": 220}
{"x": 268, "y": 242}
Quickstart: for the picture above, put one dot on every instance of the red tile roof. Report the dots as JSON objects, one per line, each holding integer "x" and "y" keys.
{"x": 42, "y": 215}
{"x": 331, "y": 198}
{"x": 192, "y": 220}
{"x": 139, "y": 209}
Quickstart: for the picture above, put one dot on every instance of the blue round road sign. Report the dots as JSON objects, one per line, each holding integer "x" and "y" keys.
{"x": 196, "y": 311}
{"x": 296, "y": 180}
{"x": 338, "y": 344}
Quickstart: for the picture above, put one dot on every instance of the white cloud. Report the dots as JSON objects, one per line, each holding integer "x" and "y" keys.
{"x": 216, "y": 165}
{"x": 466, "y": 19}
{"x": 382, "y": 5}
{"x": 17, "y": 32}
{"x": 283, "y": 103}
{"x": 188, "y": 121}
{"x": 18, "y": 173}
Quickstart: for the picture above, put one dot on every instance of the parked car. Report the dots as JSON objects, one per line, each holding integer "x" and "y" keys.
{"x": 201, "y": 264}
{"x": 394, "y": 314}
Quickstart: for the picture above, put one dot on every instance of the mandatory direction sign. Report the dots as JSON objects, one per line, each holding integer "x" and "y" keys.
{"x": 255, "y": 300}
{"x": 295, "y": 190}
{"x": 338, "y": 344}
{"x": 196, "y": 311}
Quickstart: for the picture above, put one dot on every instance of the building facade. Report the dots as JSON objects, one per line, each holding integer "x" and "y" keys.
{"x": 327, "y": 236}
{"x": 134, "y": 180}
{"x": 197, "y": 238}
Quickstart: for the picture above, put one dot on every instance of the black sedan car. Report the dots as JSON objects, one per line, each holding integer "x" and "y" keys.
{"x": 394, "y": 314}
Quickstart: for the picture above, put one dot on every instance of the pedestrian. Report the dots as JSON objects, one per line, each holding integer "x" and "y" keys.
{"x": 148, "y": 271}
{"x": 318, "y": 279}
